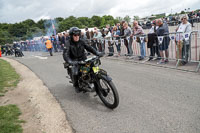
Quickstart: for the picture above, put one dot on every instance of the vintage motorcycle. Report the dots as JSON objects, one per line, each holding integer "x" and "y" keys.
{"x": 18, "y": 52}
{"x": 93, "y": 79}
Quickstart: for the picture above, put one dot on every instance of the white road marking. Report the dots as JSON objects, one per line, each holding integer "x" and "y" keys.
{"x": 42, "y": 58}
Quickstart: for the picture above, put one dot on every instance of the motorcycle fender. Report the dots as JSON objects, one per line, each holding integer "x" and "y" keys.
{"x": 106, "y": 77}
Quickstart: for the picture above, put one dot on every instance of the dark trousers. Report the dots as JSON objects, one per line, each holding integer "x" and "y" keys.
{"x": 118, "y": 45}
{"x": 154, "y": 50}
{"x": 110, "y": 48}
{"x": 185, "y": 52}
{"x": 74, "y": 71}
{"x": 126, "y": 44}
{"x": 99, "y": 46}
{"x": 55, "y": 47}
{"x": 50, "y": 51}
{"x": 191, "y": 21}
{"x": 94, "y": 44}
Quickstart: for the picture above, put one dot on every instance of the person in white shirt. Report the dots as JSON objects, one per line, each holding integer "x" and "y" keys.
{"x": 183, "y": 40}
{"x": 108, "y": 41}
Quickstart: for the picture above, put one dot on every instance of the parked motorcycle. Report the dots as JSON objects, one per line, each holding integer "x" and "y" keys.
{"x": 18, "y": 52}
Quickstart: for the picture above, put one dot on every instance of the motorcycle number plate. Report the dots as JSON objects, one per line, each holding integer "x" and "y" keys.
{"x": 95, "y": 69}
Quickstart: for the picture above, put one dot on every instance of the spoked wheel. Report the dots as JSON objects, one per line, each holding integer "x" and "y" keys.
{"x": 108, "y": 93}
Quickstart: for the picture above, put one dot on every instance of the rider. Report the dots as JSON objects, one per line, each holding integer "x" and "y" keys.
{"x": 74, "y": 52}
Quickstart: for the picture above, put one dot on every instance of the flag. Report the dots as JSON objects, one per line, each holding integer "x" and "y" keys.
{"x": 102, "y": 41}
{"x": 141, "y": 39}
{"x": 172, "y": 37}
{"x": 106, "y": 42}
{"x": 122, "y": 41}
{"x": 128, "y": 38}
{"x": 186, "y": 36}
{"x": 160, "y": 39}
{"x": 134, "y": 38}
{"x": 116, "y": 41}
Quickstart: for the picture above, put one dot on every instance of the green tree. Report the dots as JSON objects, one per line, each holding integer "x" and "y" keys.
{"x": 108, "y": 20}
{"x": 40, "y": 24}
{"x": 69, "y": 22}
{"x": 119, "y": 19}
{"x": 29, "y": 23}
{"x": 96, "y": 21}
{"x": 85, "y": 21}
{"x": 127, "y": 18}
{"x": 59, "y": 19}
{"x": 182, "y": 12}
{"x": 136, "y": 18}
{"x": 18, "y": 29}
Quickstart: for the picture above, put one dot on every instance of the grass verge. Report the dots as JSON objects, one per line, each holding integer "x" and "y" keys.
{"x": 9, "y": 114}
{"x": 9, "y": 119}
{"x": 8, "y": 77}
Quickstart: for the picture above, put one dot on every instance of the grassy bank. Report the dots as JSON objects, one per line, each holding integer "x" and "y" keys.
{"x": 9, "y": 114}
{"x": 9, "y": 119}
{"x": 8, "y": 77}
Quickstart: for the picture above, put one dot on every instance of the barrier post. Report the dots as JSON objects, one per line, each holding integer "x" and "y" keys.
{"x": 198, "y": 67}
{"x": 0, "y": 52}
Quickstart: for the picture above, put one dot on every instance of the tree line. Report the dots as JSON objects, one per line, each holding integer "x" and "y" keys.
{"x": 29, "y": 28}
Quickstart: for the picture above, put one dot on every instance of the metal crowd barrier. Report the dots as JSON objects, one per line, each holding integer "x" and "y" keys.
{"x": 193, "y": 38}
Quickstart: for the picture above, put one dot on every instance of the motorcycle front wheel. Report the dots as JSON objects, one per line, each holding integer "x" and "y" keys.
{"x": 108, "y": 93}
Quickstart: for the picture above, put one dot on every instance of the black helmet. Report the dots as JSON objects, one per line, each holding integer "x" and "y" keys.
{"x": 74, "y": 30}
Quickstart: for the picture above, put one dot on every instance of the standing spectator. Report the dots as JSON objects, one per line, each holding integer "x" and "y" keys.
{"x": 95, "y": 29}
{"x": 32, "y": 45}
{"x": 93, "y": 43}
{"x": 87, "y": 33}
{"x": 153, "y": 41}
{"x": 60, "y": 41}
{"x": 108, "y": 39}
{"x": 116, "y": 34}
{"x": 163, "y": 31}
{"x": 191, "y": 17}
{"x": 67, "y": 37}
{"x": 63, "y": 39}
{"x": 118, "y": 25}
{"x": 128, "y": 41}
{"x": 183, "y": 45}
{"x": 138, "y": 31}
{"x": 87, "y": 36}
{"x": 198, "y": 16}
{"x": 54, "y": 42}
{"x": 103, "y": 41}
{"x": 97, "y": 40}
{"x": 121, "y": 28}
{"x": 109, "y": 28}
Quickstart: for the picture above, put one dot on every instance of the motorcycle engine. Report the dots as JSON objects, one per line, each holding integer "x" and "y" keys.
{"x": 85, "y": 82}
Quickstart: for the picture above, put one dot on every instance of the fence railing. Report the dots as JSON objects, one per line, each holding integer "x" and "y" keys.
{"x": 178, "y": 48}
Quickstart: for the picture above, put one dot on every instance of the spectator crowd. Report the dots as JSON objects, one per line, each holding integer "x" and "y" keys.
{"x": 123, "y": 33}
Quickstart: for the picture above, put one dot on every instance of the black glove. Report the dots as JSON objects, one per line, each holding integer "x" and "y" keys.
{"x": 74, "y": 63}
{"x": 81, "y": 62}
{"x": 77, "y": 62}
{"x": 100, "y": 54}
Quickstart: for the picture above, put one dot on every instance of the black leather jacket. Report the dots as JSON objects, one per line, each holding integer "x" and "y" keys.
{"x": 75, "y": 51}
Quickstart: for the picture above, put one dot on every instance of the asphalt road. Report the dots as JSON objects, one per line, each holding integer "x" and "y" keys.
{"x": 152, "y": 99}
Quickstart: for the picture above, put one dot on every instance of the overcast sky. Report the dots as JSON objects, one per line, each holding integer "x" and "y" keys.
{"x": 12, "y": 11}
